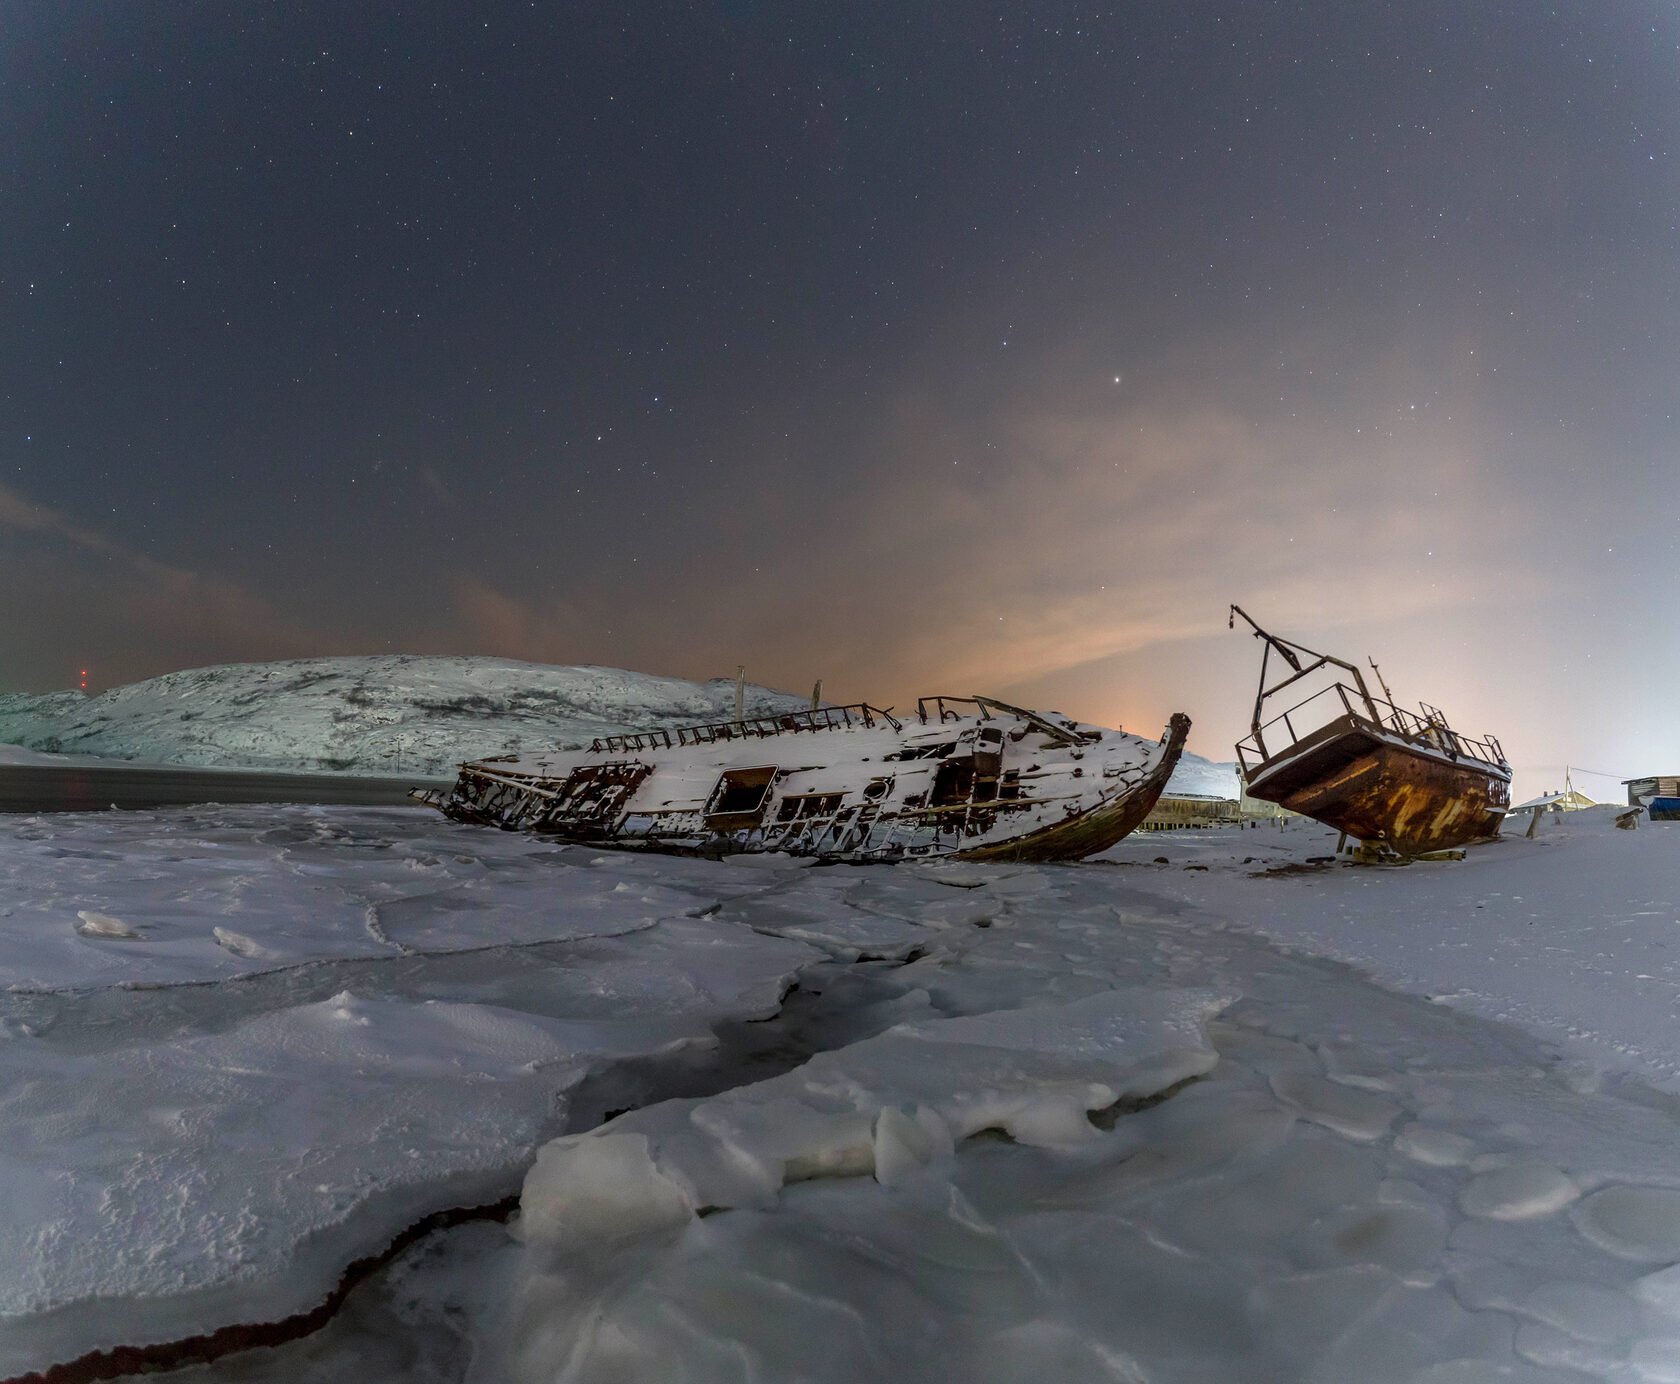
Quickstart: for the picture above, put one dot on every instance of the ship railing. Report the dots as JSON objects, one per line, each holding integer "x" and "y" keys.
{"x": 950, "y": 708}
{"x": 1323, "y": 707}
{"x": 753, "y": 727}
{"x": 944, "y": 709}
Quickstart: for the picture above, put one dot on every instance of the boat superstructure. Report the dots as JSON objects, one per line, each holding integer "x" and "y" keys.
{"x": 972, "y": 778}
{"x": 1385, "y": 775}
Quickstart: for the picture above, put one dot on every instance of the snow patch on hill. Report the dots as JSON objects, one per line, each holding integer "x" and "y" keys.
{"x": 393, "y": 713}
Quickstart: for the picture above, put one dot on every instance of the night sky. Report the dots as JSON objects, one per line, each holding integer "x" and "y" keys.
{"x": 920, "y": 348}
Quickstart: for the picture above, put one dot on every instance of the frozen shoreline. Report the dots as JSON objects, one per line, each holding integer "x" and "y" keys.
{"x": 274, "y": 1037}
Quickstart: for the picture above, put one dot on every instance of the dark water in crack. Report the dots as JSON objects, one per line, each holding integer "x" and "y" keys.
{"x": 411, "y": 1319}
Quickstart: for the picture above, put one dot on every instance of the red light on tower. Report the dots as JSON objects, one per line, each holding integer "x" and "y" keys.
{"x": 84, "y": 679}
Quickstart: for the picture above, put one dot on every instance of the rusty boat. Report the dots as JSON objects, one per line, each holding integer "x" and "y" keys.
{"x": 968, "y": 778}
{"x": 1397, "y": 780}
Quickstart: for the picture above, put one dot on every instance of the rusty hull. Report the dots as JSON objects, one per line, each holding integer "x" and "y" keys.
{"x": 1096, "y": 830}
{"x": 1411, "y": 798}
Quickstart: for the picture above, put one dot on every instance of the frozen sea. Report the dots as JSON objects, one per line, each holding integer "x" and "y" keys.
{"x": 1212, "y": 1107}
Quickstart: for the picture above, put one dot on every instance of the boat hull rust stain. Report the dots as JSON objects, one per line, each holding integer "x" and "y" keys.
{"x": 1377, "y": 791}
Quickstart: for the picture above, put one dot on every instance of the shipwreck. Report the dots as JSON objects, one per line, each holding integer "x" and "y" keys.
{"x": 1397, "y": 780}
{"x": 969, "y": 778}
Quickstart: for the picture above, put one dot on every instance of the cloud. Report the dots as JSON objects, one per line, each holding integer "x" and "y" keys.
{"x": 24, "y": 515}
{"x": 492, "y": 622}
{"x": 1065, "y": 535}
{"x": 79, "y": 594}
{"x": 1039, "y": 539}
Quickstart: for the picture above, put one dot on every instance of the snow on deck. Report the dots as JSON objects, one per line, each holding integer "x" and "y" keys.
{"x": 1085, "y": 1122}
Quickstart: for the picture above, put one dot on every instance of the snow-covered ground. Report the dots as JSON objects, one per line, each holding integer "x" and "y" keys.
{"x": 1130, "y": 1119}
{"x": 1575, "y": 933}
{"x": 244, "y": 1046}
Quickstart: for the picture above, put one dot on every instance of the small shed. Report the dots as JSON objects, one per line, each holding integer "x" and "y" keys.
{"x": 1641, "y": 790}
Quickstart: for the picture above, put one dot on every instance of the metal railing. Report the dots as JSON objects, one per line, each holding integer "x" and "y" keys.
{"x": 946, "y": 708}
{"x": 1426, "y": 731}
{"x": 986, "y": 708}
{"x": 754, "y": 727}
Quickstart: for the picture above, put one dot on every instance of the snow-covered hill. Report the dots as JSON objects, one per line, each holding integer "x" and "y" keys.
{"x": 1197, "y": 775}
{"x": 381, "y": 713}
{"x": 392, "y": 713}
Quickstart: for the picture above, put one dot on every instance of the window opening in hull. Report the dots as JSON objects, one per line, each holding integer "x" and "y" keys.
{"x": 953, "y": 783}
{"x": 740, "y": 798}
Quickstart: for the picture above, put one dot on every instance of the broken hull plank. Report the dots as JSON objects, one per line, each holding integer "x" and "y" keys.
{"x": 1378, "y": 788}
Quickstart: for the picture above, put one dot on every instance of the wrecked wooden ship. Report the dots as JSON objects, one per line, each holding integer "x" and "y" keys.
{"x": 969, "y": 778}
{"x": 1394, "y": 779}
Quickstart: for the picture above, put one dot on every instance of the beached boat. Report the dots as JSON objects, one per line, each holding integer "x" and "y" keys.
{"x": 966, "y": 777}
{"x": 1386, "y": 776}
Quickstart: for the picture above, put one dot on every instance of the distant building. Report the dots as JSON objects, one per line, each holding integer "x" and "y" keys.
{"x": 1659, "y": 795}
{"x": 1257, "y": 809}
{"x": 1569, "y": 800}
{"x": 1642, "y": 790}
{"x": 1176, "y": 810}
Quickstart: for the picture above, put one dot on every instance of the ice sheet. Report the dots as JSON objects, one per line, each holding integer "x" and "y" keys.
{"x": 207, "y": 893}
{"x": 240, "y": 1048}
{"x": 1368, "y": 1184}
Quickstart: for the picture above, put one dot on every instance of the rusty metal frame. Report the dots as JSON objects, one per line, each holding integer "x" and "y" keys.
{"x": 1042, "y": 724}
{"x": 1429, "y": 731}
{"x": 1287, "y": 650}
{"x": 1374, "y": 770}
{"x": 945, "y": 708}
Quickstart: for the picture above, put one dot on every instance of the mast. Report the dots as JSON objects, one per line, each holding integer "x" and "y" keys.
{"x": 1382, "y": 682}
